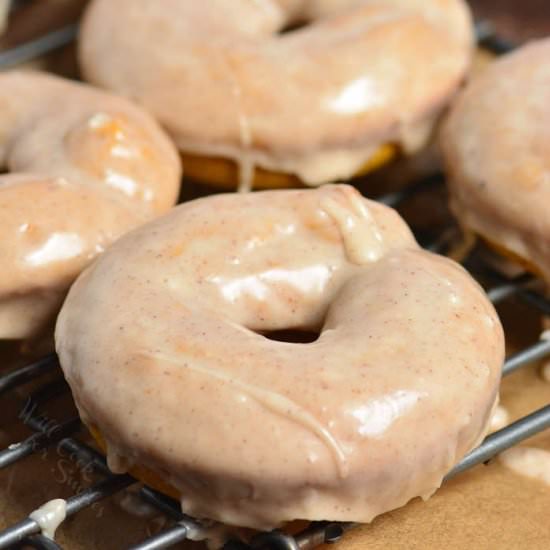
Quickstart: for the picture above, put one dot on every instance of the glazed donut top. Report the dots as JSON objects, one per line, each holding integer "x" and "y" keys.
{"x": 84, "y": 167}
{"x": 496, "y": 145}
{"x": 317, "y": 102}
{"x": 162, "y": 342}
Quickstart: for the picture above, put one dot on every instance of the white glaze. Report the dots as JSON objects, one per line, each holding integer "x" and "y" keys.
{"x": 317, "y": 102}
{"x": 84, "y": 167}
{"x": 161, "y": 341}
{"x": 49, "y": 516}
{"x": 499, "y": 419}
{"x": 496, "y": 148}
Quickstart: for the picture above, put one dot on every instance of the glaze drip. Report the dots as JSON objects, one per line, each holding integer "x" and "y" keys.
{"x": 245, "y": 161}
{"x": 362, "y": 238}
{"x": 49, "y": 516}
{"x": 277, "y": 404}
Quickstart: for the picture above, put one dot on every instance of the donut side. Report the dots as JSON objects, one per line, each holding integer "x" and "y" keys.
{"x": 496, "y": 146}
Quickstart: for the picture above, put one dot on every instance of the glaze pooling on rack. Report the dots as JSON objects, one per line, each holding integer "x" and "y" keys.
{"x": 499, "y": 419}
{"x": 49, "y": 516}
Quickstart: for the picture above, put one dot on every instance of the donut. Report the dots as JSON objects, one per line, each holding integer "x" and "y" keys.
{"x": 360, "y": 80}
{"x": 83, "y": 168}
{"x": 168, "y": 344}
{"x": 496, "y": 147}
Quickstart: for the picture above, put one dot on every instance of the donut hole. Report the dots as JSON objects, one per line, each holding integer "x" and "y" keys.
{"x": 294, "y": 25}
{"x": 292, "y": 336}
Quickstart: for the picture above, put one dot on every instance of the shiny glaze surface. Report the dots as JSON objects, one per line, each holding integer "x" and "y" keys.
{"x": 83, "y": 168}
{"x": 163, "y": 343}
{"x": 496, "y": 145}
{"x": 317, "y": 102}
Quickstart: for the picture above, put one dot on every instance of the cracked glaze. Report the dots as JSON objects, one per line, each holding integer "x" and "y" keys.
{"x": 83, "y": 168}
{"x": 162, "y": 341}
{"x": 496, "y": 146}
{"x": 317, "y": 102}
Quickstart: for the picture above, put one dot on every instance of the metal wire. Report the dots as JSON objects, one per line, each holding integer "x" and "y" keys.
{"x": 499, "y": 441}
{"x": 109, "y": 486}
{"x": 27, "y": 373}
{"x": 38, "y": 47}
{"x": 529, "y": 355}
{"x": 165, "y": 539}
{"x": 40, "y": 542}
{"x": 36, "y": 442}
{"x": 48, "y": 431}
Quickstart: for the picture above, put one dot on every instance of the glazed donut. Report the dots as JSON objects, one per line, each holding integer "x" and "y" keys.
{"x": 496, "y": 145}
{"x": 163, "y": 342}
{"x": 361, "y": 77}
{"x": 84, "y": 167}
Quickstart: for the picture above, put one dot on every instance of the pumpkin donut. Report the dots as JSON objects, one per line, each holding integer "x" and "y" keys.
{"x": 83, "y": 168}
{"x": 496, "y": 146}
{"x": 361, "y": 80}
{"x": 163, "y": 342}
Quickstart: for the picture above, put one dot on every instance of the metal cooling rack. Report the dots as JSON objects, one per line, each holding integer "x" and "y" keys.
{"x": 63, "y": 433}
{"x": 39, "y": 46}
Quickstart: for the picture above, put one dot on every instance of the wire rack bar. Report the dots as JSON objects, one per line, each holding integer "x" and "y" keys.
{"x": 36, "y": 442}
{"x": 27, "y": 373}
{"x": 40, "y": 542}
{"x": 274, "y": 540}
{"x": 533, "y": 353}
{"x": 502, "y": 292}
{"x": 167, "y": 505}
{"x": 322, "y": 533}
{"x": 396, "y": 198}
{"x": 38, "y": 47}
{"x": 164, "y": 539}
{"x": 488, "y": 38}
{"x": 504, "y": 439}
{"x": 535, "y": 299}
{"x": 87, "y": 497}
